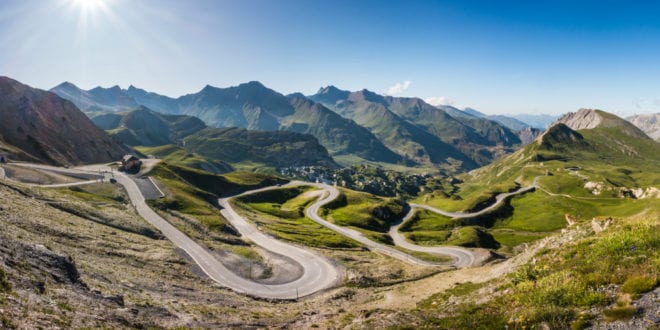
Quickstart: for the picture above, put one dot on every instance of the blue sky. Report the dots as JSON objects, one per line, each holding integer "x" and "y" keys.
{"x": 495, "y": 56}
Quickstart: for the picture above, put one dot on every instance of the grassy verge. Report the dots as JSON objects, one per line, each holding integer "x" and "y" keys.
{"x": 430, "y": 257}
{"x": 99, "y": 192}
{"x": 180, "y": 157}
{"x": 370, "y": 214}
{"x": 280, "y": 212}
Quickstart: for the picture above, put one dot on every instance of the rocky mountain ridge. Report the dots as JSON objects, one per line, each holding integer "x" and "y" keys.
{"x": 50, "y": 129}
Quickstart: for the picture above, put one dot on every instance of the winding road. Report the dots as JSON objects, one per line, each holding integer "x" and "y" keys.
{"x": 318, "y": 272}
{"x": 498, "y": 200}
{"x": 462, "y": 257}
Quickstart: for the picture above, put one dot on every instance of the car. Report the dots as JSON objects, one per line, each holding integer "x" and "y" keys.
{"x": 113, "y": 180}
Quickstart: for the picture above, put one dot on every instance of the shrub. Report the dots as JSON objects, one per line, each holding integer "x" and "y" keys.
{"x": 620, "y": 313}
{"x": 4, "y": 281}
{"x": 636, "y": 284}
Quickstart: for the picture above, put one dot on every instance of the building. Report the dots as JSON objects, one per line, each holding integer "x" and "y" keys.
{"x": 130, "y": 163}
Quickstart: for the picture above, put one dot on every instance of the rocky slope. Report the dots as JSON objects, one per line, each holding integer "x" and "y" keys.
{"x": 649, "y": 123}
{"x": 51, "y": 129}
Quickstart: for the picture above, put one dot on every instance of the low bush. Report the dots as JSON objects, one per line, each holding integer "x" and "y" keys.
{"x": 620, "y": 313}
{"x": 636, "y": 284}
{"x": 5, "y": 286}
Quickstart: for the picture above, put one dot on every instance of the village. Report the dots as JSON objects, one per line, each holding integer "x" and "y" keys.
{"x": 366, "y": 178}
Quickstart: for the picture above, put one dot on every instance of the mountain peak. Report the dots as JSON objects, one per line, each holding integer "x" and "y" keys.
{"x": 296, "y": 95}
{"x": 66, "y": 85}
{"x": 330, "y": 89}
{"x": 330, "y": 95}
{"x": 582, "y": 119}
{"x": 593, "y": 118}
{"x": 252, "y": 85}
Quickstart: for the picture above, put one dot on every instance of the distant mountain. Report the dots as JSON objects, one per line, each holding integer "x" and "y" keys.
{"x": 143, "y": 127}
{"x": 273, "y": 149}
{"x": 509, "y": 122}
{"x": 371, "y": 111}
{"x": 419, "y": 131}
{"x": 649, "y": 123}
{"x": 524, "y": 131}
{"x": 50, "y": 129}
{"x": 256, "y": 107}
{"x": 536, "y": 121}
{"x": 153, "y": 101}
{"x": 96, "y": 99}
{"x": 474, "y": 112}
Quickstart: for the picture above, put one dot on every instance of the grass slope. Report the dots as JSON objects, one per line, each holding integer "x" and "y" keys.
{"x": 610, "y": 156}
{"x": 179, "y": 156}
{"x": 281, "y": 213}
{"x": 593, "y": 278}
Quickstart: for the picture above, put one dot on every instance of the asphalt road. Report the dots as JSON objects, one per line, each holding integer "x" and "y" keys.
{"x": 330, "y": 193}
{"x": 498, "y": 200}
{"x": 318, "y": 272}
{"x": 463, "y": 256}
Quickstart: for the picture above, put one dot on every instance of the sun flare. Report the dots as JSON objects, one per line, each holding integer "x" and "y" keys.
{"x": 89, "y": 4}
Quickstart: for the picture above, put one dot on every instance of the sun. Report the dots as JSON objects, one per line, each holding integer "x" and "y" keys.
{"x": 88, "y": 5}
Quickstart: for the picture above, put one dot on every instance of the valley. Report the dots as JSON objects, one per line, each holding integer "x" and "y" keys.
{"x": 331, "y": 165}
{"x": 272, "y": 222}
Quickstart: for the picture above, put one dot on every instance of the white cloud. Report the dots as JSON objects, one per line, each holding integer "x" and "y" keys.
{"x": 398, "y": 88}
{"x": 439, "y": 100}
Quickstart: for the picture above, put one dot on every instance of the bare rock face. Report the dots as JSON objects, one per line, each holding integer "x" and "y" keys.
{"x": 51, "y": 129}
{"x": 583, "y": 119}
{"x": 649, "y": 123}
{"x": 528, "y": 134}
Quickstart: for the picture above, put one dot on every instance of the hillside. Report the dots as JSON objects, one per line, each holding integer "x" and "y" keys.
{"x": 186, "y": 141}
{"x": 420, "y": 131}
{"x": 45, "y": 127}
{"x": 143, "y": 127}
{"x": 607, "y": 170}
{"x": 649, "y": 123}
{"x": 257, "y": 148}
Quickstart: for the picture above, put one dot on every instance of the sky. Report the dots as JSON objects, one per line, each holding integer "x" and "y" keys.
{"x": 500, "y": 57}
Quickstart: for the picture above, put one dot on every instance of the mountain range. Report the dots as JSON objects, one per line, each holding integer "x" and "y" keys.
{"x": 420, "y": 131}
{"x": 353, "y": 126}
{"x": 255, "y": 107}
{"x": 210, "y": 148}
